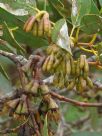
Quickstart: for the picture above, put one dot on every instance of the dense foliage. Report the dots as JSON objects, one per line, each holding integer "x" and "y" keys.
{"x": 50, "y": 50}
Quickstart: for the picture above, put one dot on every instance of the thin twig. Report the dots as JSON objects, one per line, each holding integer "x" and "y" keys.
{"x": 35, "y": 124}
{"x": 77, "y": 103}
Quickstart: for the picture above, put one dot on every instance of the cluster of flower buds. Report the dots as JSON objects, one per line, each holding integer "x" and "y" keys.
{"x": 49, "y": 107}
{"x": 78, "y": 77}
{"x": 67, "y": 72}
{"x": 57, "y": 60}
{"x": 36, "y": 88}
{"x": 18, "y": 106}
{"x": 82, "y": 70}
{"x": 39, "y": 24}
{"x": 41, "y": 105}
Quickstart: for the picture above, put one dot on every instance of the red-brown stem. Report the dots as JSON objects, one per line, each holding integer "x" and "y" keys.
{"x": 35, "y": 124}
{"x": 74, "y": 102}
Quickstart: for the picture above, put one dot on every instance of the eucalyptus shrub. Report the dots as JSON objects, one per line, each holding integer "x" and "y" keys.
{"x": 56, "y": 66}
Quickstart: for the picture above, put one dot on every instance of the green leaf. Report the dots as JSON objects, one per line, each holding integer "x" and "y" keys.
{"x": 91, "y": 24}
{"x": 60, "y": 35}
{"x": 9, "y": 37}
{"x": 45, "y": 127}
{"x": 81, "y": 8}
{"x": 94, "y": 9}
{"x": 56, "y": 29}
{"x": 18, "y": 4}
{"x": 100, "y": 2}
{"x": 11, "y": 19}
{"x": 54, "y": 11}
{"x": 29, "y": 40}
{"x": 6, "y": 47}
{"x": 3, "y": 72}
{"x": 59, "y": 6}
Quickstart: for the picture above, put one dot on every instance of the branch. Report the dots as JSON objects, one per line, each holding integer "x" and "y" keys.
{"x": 17, "y": 59}
{"x": 74, "y": 102}
{"x": 18, "y": 93}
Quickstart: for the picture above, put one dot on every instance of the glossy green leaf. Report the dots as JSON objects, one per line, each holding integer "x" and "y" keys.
{"x": 60, "y": 35}
{"x": 81, "y": 8}
{"x": 20, "y": 4}
{"x": 8, "y": 36}
{"x": 63, "y": 40}
{"x": 3, "y": 71}
{"x": 45, "y": 128}
{"x": 91, "y": 24}
{"x": 56, "y": 29}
